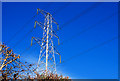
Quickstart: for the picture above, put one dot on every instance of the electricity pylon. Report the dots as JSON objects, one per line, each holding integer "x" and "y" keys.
{"x": 46, "y": 60}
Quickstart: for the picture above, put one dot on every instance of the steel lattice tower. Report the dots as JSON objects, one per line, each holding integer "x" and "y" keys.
{"x": 46, "y": 62}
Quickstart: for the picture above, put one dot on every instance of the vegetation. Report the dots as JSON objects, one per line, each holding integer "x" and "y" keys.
{"x": 12, "y": 68}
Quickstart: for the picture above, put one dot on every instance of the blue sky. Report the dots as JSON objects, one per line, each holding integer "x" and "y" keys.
{"x": 82, "y": 26}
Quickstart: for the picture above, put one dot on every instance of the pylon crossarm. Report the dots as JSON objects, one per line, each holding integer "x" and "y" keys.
{"x": 37, "y": 40}
{"x": 43, "y": 46}
{"x": 47, "y": 53}
{"x": 53, "y": 20}
{"x": 39, "y": 23}
{"x": 56, "y": 51}
{"x": 54, "y": 32}
{"x": 42, "y": 25}
{"x": 42, "y": 12}
{"x": 55, "y": 36}
{"x": 45, "y": 26}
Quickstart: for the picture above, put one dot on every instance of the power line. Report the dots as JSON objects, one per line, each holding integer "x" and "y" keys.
{"x": 79, "y": 15}
{"x": 85, "y": 11}
{"x": 53, "y": 13}
{"x": 21, "y": 28}
{"x": 23, "y": 38}
{"x": 93, "y": 26}
{"x": 101, "y": 21}
{"x": 24, "y": 26}
{"x": 28, "y": 48}
{"x": 61, "y": 8}
{"x": 95, "y": 5}
{"x": 90, "y": 49}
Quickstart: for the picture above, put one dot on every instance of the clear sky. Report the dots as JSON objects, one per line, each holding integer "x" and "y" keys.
{"x": 86, "y": 33}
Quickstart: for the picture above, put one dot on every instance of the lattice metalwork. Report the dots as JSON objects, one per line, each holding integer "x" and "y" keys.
{"x": 46, "y": 61}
